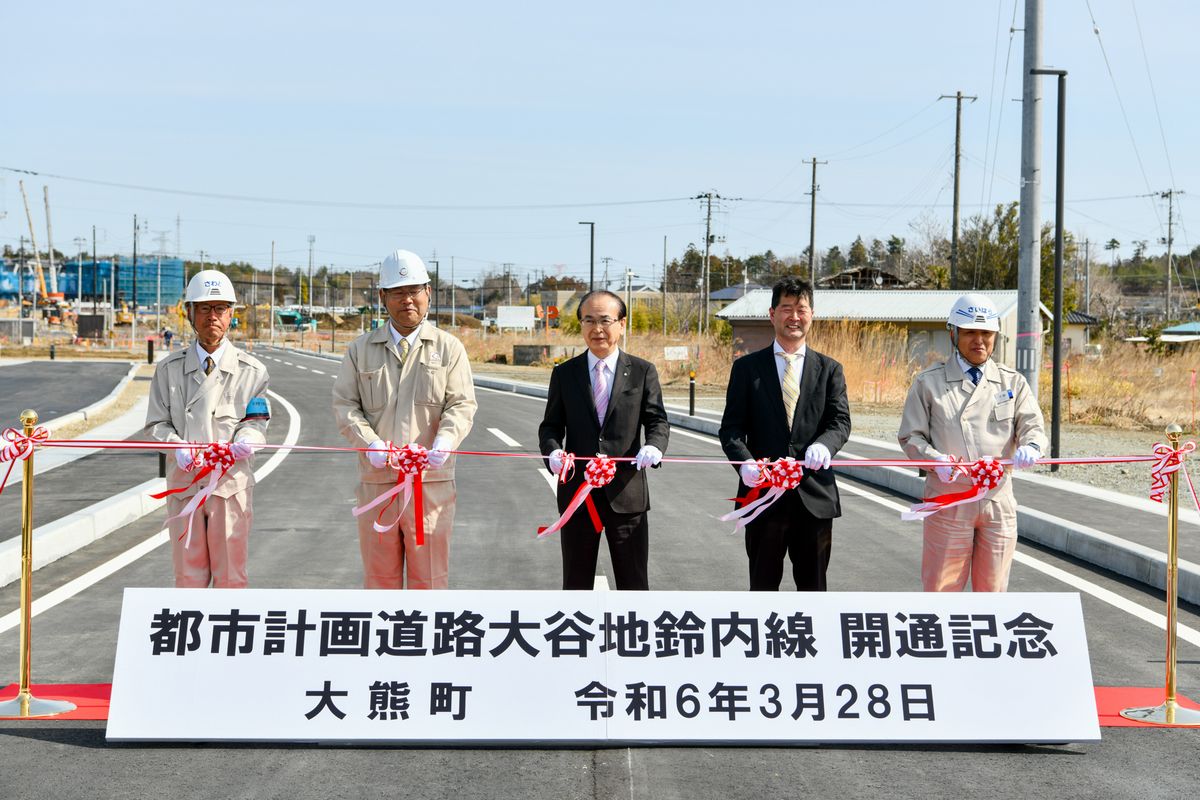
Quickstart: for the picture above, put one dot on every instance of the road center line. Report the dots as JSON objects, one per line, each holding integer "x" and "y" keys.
{"x": 94, "y": 576}
{"x": 504, "y": 437}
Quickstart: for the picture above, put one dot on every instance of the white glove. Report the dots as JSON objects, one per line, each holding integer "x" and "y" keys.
{"x": 945, "y": 474}
{"x": 751, "y": 474}
{"x": 817, "y": 456}
{"x": 648, "y": 456}
{"x": 184, "y": 457}
{"x": 556, "y": 461}
{"x": 378, "y": 454}
{"x": 438, "y": 451}
{"x": 1025, "y": 457}
{"x": 241, "y": 449}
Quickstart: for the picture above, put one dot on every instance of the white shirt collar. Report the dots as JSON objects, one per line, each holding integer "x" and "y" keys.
{"x": 966, "y": 365}
{"x": 202, "y": 354}
{"x": 610, "y": 361}
{"x": 803, "y": 351}
{"x": 397, "y": 336}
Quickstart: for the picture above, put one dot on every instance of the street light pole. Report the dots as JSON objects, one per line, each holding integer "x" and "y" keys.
{"x": 1058, "y": 259}
{"x": 591, "y": 257}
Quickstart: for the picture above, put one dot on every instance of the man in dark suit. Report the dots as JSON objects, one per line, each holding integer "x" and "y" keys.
{"x": 601, "y": 401}
{"x": 788, "y": 400}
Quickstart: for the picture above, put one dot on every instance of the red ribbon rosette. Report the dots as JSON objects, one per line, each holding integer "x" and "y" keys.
{"x": 777, "y": 478}
{"x": 212, "y": 462}
{"x": 599, "y": 472}
{"x": 986, "y": 474}
{"x": 409, "y": 461}
{"x": 19, "y": 447}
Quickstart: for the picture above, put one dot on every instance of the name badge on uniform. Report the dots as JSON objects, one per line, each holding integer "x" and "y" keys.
{"x": 1004, "y": 396}
{"x": 435, "y": 358}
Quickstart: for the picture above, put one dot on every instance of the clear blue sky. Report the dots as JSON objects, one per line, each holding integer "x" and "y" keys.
{"x": 442, "y": 107}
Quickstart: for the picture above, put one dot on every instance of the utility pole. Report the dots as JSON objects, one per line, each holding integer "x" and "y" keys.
{"x": 629, "y": 276}
{"x": 1087, "y": 276}
{"x": 1029, "y": 251}
{"x": 437, "y": 288}
{"x": 508, "y": 280}
{"x": 272, "y": 292}
{"x": 664, "y": 287}
{"x": 79, "y": 243}
{"x": 957, "y": 97}
{"x": 606, "y": 261}
{"x": 708, "y": 197}
{"x": 20, "y": 293}
{"x": 50, "y": 243}
{"x": 95, "y": 270}
{"x": 812, "y": 223}
{"x": 311, "y": 240}
{"x": 133, "y": 325}
{"x": 453, "y": 299}
{"x": 1170, "y": 241}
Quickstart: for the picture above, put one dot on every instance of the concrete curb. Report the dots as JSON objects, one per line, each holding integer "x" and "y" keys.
{"x": 64, "y": 536}
{"x": 1128, "y": 559}
{"x": 83, "y": 414}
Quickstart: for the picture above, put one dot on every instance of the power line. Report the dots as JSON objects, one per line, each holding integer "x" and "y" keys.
{"x": 341, "y": 204}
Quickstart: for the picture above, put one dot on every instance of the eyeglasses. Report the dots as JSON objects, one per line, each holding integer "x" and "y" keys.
{"x": 204, "y": 309}
{"x": 603, "y": 322}
{"x": 403, "y": 292}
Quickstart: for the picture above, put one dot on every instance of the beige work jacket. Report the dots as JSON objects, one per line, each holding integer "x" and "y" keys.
{"x": 945, "y": 414}
{"x": 188, "y": 406}
{"x": 376, "y": 397}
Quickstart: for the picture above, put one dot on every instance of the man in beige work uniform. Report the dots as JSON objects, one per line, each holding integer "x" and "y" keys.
{"x": 964, "y": 409}
{"x": 405, "y": 383}
{"x": 210, "y": 392}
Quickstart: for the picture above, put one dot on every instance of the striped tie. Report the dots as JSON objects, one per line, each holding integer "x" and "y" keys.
{"x": 600, "y": 390}
{"x": 403, "y": 351}
{"x": 975, "y": 374}
{"x": 791, "y": 384}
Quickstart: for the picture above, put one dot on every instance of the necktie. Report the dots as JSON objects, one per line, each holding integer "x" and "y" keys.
{"x": 975, "y": 374}
{"x": 600, "y": 390}
{"x": 791, "y": 384}
{"x": 208, "y": 365}
{"x": 403, "y": 351}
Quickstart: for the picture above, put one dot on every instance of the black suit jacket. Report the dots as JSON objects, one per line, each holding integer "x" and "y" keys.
{"x": 754, "y": 424}
{"x": 570, "y": 424}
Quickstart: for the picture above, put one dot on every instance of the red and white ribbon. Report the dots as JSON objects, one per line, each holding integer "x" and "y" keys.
{"x": 409, "y": 461}
{"x": 19, "y": 447}
{"x": 779, "y": 476}
{"x": 1170, "y": 460}
{"x": 599, "y": 473}
{"x": 986, "y": 474}
{"x": 212, "y": 462}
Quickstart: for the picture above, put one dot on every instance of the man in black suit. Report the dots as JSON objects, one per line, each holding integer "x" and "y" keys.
{"x": 602, "y": 400}
{"x": 788, "y": 400}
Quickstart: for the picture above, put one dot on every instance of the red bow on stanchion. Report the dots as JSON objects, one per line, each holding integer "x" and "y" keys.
{"x": 986, "y": 474}
{"x": 1169, "y": 461}
{"x": 18, "y": 447}
{"x": 600, "y": 471}
{"x": 780, "y": 476}
{"x": 410, "y": 461}
{"x": 212, "y": 462}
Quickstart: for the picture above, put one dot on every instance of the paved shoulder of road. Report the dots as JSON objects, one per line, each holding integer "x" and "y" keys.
{"x": 55, "y": 388}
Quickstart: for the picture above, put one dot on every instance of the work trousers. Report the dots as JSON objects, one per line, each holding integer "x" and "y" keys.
{"x": 216, "y": 551}
{"x": 392, "y": 557}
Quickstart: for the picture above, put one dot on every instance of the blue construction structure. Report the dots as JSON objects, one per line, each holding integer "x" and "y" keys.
{"x": 99, "y": 273}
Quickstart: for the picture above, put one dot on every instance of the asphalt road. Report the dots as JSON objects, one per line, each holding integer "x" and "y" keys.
{"x": 54, "y": 388}
{"x": 304, "y": 537}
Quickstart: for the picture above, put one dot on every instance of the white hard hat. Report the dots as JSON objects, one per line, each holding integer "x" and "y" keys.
{"x": 210, "y": 284}
{"x": 974, "y": 312}
{"x": 402, "y": 268}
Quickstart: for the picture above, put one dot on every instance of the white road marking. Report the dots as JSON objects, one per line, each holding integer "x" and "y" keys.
{"x": 288, "y": 363}
{"x": 317, "y": 372}
{"x": 90, "y": 578}
{"x": 1082, "y": 584}
{"x": 504, "y": 437}
{"x": 301, "y": 366}
{"x": 704, "y": 437}
{"x": 600, "y": 584}
{"x": 550, "y": 479}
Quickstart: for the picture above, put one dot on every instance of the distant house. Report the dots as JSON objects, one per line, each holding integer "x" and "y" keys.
{"x": 723, "y": 297}
{"x": 920, "y": 314}
{"x": 1077, "y": 332}
{"x": 862, "y": 278}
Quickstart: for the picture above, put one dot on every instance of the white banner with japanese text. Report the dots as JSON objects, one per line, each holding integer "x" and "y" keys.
{"x": 492, "y": 667}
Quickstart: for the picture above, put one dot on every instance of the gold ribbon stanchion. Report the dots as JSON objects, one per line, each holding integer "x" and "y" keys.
{"x": 1170, "y": 713}
{"x": 25, "y": 704}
